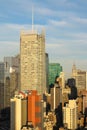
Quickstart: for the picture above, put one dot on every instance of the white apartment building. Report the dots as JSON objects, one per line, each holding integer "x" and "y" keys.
{"x": 15, "y": 113}
{"x": 70, "y": 115}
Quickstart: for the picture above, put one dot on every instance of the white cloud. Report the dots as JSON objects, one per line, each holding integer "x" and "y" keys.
{"x": 57, "y": 23}
{"x": 80, "y": 20}
{"x": 67, "y": 49}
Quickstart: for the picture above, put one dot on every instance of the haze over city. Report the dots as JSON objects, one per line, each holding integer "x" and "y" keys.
{"x": 65, "y": 24}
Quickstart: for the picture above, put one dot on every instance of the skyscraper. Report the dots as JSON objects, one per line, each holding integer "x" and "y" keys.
{"x": 32, "y": 59}
{"x": 54, "y": 71}
{"x": 80, "y": 77}
{"x": 11, "y": 77}
{"x": 56, "y": 98}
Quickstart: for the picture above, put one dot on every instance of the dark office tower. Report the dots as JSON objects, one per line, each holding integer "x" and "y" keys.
{"x": 14, "y": 82}
{"x": 7, "y": 92}
{"x": 54, "y": 71}
{"x": 71, "y": 84}
{"x": 47, "y": 72}
{"x": 1, "y": 85}
{"x": 33, "y": 63}
{"x": 11, "y": 72}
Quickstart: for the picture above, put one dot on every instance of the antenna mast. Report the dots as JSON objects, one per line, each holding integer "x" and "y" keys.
{"x": 32, "y": 19}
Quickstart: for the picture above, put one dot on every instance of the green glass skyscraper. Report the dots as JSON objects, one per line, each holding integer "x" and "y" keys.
{"x": 54, "y": 71}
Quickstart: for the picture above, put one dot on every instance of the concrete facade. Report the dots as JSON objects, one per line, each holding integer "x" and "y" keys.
{"x": 33, "y": 67}
{"x": 81, "y": 78}
{"x": 70, "y": 115}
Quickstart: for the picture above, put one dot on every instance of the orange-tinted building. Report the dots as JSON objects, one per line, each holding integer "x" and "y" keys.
{"x": 34, "y": 108}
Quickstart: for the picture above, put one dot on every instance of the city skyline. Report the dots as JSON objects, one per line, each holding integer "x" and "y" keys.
{"x": 64, "y": 21}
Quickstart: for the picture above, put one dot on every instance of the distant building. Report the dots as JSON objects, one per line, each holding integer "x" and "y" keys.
{"x": 11, "y": 77}
{"x": 33, "y": 63}
{"x": 62, "y": 80}
{"x": 65, "y": 92}
{"x": 80, "y": 104}
{"x": 80, "y": 77}
{"x": 1, "y": 96}
{"x": 84, "y": 93}
{"x": 1, "y": 72}
{"x": 11, "y": 63}
{"x": 71, "y": 84}
{"x": 7, "y": 92}
{"x": 1, "y": 85}
{"x": 70, "y": 115}
{"x": 54, "y": 71}
{"x": 47, "y": 72}
{"x": 56, "y": 96}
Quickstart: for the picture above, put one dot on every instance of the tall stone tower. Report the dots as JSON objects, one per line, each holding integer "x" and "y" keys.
{"x": 32, "y": 61}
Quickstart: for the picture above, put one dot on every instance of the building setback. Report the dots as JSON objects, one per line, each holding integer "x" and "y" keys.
{"x": 32, "y": 58}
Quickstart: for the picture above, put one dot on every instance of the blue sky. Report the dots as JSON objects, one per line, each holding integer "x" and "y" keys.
{"x": 65, "y": 24}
